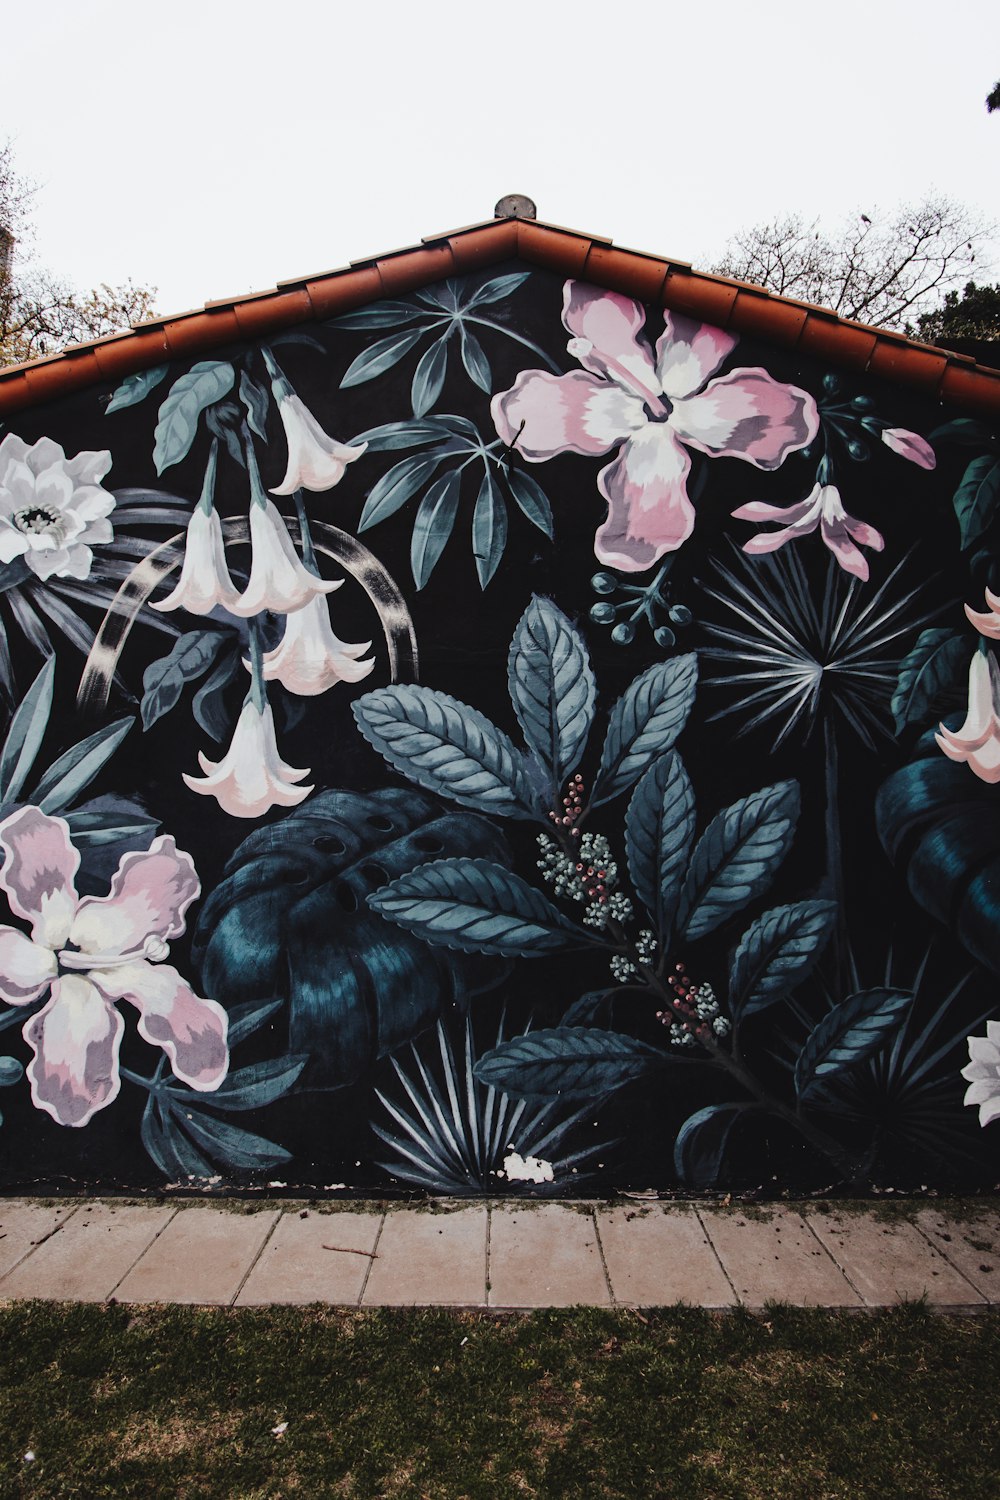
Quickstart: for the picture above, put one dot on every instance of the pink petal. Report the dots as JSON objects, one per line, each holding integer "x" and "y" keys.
{"x": 747, "y": 415}
{"x": 836, "y": 537}
{"x": 756, "y": 510}
{"x": 75, "y": 1039}
{"x": 148, "y": 898}
{"x": 192, "y": 1031}
{"x": 910, "y": 445}
{"x": 688, "y": 353}
{"x": 38, "y": 873}
{"x": 986, "y": 624}
{"x": 863, "y": 534}
{"x": 607, "y": 329}
{"x": 26, "y": 968}
{"x": 576, "y": 413}
{"x": 649, "y": 512}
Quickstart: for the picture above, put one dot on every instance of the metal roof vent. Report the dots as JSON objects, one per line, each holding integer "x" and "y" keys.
{"x": 515, "y": 206}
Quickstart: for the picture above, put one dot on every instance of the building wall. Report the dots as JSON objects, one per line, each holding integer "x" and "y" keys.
{"x": 502, "y": 740}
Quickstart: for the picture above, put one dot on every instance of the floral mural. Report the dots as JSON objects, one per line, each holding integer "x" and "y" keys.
{"x": 580, "y": 772}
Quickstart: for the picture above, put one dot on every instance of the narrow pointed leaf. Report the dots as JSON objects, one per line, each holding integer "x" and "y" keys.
{"x": 495, "y": 289}
{"x": 776, "y": 953}
{"x": 253, "y": 1087}
{"x": 379, "y": 315}
{"x": 645, "y": 724}
{"x": 203, "y": 385}
{"x": 433, "y": 525}
{"x": 230, "y": 1145}
{"x": 135, "y": 388}
{"x": 851, "y": 1032}
{"x": 26, "y": 732}
{"x": 928, "y": 674}
{"x": 659, "y": 827}
{"x": 394, "y": 435}
{"x": 489, "y": 528}
{"x": 552, "y": 686}
{"x": 379, "y": 357}
{"x": 531, "y": 500}
{"x": 477, "y": 366}
{"x": 568, "y": 1061}
{"x": 428, "y": 377}
{"x": 737, "y": 856}
{"x": 73, "y": 772}
{"x": 165, "y": 679}
{"x": 257, "y": 402}
{"x": 397, "y": 485}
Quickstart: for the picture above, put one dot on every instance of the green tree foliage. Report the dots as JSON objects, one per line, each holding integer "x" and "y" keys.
{"x": 39, "y": 312}
{"x": 973, "y": 315}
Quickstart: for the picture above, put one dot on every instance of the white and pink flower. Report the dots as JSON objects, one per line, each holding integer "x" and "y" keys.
{"x": 654, "y": 411}
{"x": 822, "y": 509}
{"x": 977, "y": 743}
{"x": 251, "y": 777}
{"x": 982, "y": 1073}
{"x": 205, "y": 582}
{"x": 910, "y": 445}
{"x": 90, "y": 953}
{"x": 316, "y": 461}
{"x": 53, "y": 510}
{"x": 987, "y": 623}
{"x": 310, "y": 658}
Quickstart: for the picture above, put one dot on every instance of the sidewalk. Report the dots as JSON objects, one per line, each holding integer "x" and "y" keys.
{"x": 504, "y": 1257}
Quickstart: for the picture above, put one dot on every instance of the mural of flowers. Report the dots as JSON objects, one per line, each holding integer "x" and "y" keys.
{"x": 653, "y": 411}
{"x": 89, "y": 953}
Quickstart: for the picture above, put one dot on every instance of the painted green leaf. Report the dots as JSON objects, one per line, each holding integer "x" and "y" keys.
{"x": 27, "y": 730}
{"x": 552, "y": 686}
{"x": 252, "y": 1087}
{"x": 659, "y": 827}
{"x": 397, "y": 485}
{"x": 702, "y": 1142}
{"x": 257, "y": 402}
{"x": 229, "y": 1145}
{"x": 477, "y": 907}
{"x": 477, "y": 366}
{"x": 965, "y": 430}
{"x": 164, "y": 680}
{"x": 852, "y": 1031}
{"x": 736, "y": 857}
{"x": 433, "y": 526}
{"x": 496, "y": 289}
{"x": 428, "y": 377}
{"x": 977, "y": 497}
{"x": 776, "y": 953}
{"x": 203, "y": 385}
{"x": 73, "y": 772}
{"x": 379, "y": 357}
{"x": 447, "y": 747}
{"x": 135, "y": 388}
{"x": 531, "y": 500}
{"x": 568, "y": 1061}
{"x": 489, "y": 528}
{"x": 937, "y": 665}
{"x": 645, "y": 723}
{"x": 379, "y": 315}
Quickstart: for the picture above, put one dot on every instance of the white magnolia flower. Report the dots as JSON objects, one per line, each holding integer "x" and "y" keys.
{"x": 983, "y": 1073}
{"x": 251, "y": 777}
{"x": 279, "y": 580}
{"x": 310, "y": 658}
{"x": 316, "y": 461}
{"x": 52, "y": 509}
{"x": 204, "y": 582}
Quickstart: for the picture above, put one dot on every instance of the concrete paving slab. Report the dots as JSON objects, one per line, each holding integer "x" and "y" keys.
{"x": 313, "y": 1257}
{"x": 545, "y": 1257}
{"x": 201, "y": 1256}
{"x": 91, "y": 1254}
{"x": 423, "y": 1257}
{"x": 657, "y": 1256}
{"x": 972, "y": 1245}
{"x": 890, "y": 1261}
{"x": 775, "y": 1258}
{"x": 23, "y": 1226}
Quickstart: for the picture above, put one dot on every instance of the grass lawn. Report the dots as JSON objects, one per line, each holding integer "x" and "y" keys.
{"x": 681, "y": 1403}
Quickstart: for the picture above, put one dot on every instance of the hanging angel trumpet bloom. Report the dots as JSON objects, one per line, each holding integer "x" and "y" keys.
{"x": 279, "y": 580}
{"x": 910, "y": 445}
{"x": 987, "y": 624}
{"x": 251, "y": 777}
{"x": 977, "y": 743}
{"x": 310, "y": 658}
{"x": 205, "y": 583}
{"x": 316, "y": 461}
{"x": 821, "y": 510}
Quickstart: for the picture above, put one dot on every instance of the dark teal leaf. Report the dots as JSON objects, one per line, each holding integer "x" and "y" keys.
{"x": 433, "y": 525}
{"x": 219, "y": 420}
{"x": 110, "y": 826}
{"x": 645, "y": 723}
{"x": 135, "y": 388}
{"x": 428, "y": 377}
{"x": 736, "y": 857}
{"x": 409, "y": 434}
{"x": 776, "y": 953}
{"x": 229, "y": 1145}
{"x": 208, "y": 704}
{"x": 27, "y": 730}
{"x": 244, "y": 1020}
{"x": 593, "y": 1009}
{"x": 168, "y": 1146}
{"x": 203, "y": 385}
{"x": 568, "y": 1061}
{"x": 977, "y": 497}
{"x": 379, "y": 315}
{"x": 252, "y": 1087}
{"x": 164, "y": 680}
{"x": 477, "y": 907}
{"x": 489, "y": 528}
{"x": 477, "y": 366}
{"x": 532, "y": 500}
{"x": 397, "y": 485}
{"x": 495, "y": 289}
{"x": 73, "y": 772}
{"x": 659, "y": 827}
{"x": 447, "y": 747}
{"x": 938, "y": 663}
{"x": 852, "y": 1031}
{"x": 257, "y": 402}
{"x": 551, "y": 686}
{"x": 702, "y": 1141}
{"x": 964, "y": 430}
{"x": 379, "y": 357}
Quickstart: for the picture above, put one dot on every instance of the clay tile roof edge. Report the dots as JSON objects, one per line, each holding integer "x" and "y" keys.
{"x": 737, "y": 305}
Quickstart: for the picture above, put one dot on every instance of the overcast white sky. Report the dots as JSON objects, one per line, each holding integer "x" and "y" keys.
{"x": 208, "y": 147}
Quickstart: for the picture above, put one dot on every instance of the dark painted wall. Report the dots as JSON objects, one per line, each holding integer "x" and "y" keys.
{"x": 501, "y": 720}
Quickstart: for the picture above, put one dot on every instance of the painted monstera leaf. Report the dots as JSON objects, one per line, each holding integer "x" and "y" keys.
{"x": 291, "y": 919}
{"x": 941, "y": 825}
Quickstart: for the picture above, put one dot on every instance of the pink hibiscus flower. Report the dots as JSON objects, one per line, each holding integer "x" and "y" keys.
{"x": 654, "y": 411}
{"x": 92, "y": 952}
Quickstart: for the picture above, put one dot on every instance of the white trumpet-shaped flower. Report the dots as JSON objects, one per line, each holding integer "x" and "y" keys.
{"x": 279, "y": 581}
{"x": 205, "y": 582}
{"x": 977, "y": 743}
{"x": 310, "y": 658}
{"x": 251, "y": 777}
{"x": 316, "y": 461}
{"x": 988, "y": 623}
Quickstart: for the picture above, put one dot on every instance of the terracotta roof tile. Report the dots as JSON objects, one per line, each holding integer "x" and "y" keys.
{"x": 741, "y": 306}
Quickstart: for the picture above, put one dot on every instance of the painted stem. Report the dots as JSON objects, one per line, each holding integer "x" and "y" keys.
{"x": 305, "y": 534}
